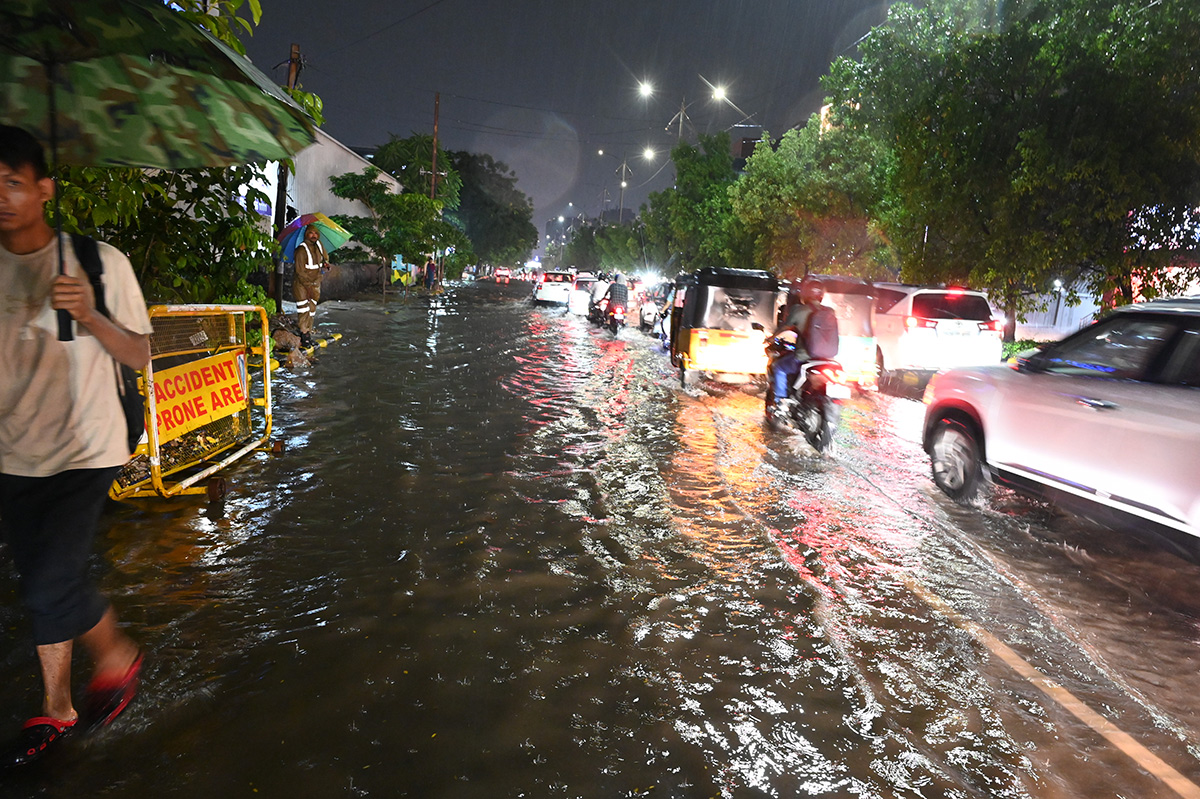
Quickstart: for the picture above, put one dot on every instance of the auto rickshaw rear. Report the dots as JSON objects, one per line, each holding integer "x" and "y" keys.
{"x": 715, "y": 328}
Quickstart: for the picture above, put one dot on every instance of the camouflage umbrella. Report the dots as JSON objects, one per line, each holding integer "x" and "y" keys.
{"x": 119, "y": 83}
{"x": 134, "y": 83}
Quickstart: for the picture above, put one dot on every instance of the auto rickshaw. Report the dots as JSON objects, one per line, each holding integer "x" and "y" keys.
{"x": 712, "y": 330}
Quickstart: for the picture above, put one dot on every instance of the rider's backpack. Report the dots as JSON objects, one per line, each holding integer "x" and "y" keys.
{"x": 821, "y": 333}
{"x": 132, "y": 403}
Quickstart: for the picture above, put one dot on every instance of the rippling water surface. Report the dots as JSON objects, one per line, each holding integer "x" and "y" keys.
{"x": 504, "y": 555}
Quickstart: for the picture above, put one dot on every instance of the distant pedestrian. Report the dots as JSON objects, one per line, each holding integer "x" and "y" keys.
{"x": 63, "y": 438}
{"x": 430, "y": 273}
{"x": 311, "y": 263}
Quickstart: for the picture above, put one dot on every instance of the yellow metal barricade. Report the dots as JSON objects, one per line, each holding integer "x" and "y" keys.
{"x": 207, "y": 399}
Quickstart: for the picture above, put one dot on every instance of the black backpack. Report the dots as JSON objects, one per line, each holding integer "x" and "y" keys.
{"x": 821, "y": 333}
{"x": 88, "y": 253}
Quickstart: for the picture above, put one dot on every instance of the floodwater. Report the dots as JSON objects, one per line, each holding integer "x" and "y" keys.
{"x": 504, "y": 555}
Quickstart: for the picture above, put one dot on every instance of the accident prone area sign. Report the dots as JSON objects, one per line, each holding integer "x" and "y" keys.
{"x": 199, "y": 393}
{"x": 206, "y": 397}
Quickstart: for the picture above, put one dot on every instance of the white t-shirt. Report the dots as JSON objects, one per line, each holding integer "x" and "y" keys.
{"x": 59, "y": 407}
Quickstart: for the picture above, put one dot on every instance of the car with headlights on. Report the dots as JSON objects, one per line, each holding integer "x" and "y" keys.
{"x": 1107, "y": 419}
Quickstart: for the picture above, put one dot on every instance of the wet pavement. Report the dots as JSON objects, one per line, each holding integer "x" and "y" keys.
{"x": 505, "y": 555}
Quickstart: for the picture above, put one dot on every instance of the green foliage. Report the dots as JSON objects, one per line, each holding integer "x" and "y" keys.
{"x": 188, "y": 235}
{"x": 1011, "y": 349}
{"x": 310, "y": 103}
{"x": 694, "y": 219}
{"x": 612, "y": 248}
{"x": 1040, "y": 142}
{"x": 410, "y": 161}
{"x": 494, "y": 214}
{"x": 221, "y": 19}
{"x": 408, "y": 225}
{"x": 805, "y": 203}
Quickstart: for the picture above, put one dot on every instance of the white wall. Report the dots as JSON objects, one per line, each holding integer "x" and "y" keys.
{"x": 308, "y": 187}
{"x": 1057, "y": 322}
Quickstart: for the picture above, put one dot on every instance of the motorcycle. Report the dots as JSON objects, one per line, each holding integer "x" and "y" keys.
{"x": 598, "y": 311}
{"x": 614, "y": 317}
{"x": 812, "y": 404}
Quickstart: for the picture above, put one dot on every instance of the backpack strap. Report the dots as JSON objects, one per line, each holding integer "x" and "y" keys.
{"x": 87, "y": 252}
{"x": 132, "y": 404}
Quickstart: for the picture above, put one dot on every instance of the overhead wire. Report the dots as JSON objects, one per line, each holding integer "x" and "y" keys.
{"x": 389, "y": 26}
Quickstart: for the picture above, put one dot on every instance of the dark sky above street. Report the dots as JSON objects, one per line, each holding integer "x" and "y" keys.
{"x": 543, "y": 85}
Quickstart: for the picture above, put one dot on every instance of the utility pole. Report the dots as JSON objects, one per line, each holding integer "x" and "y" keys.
{"x": 281, "y": 191}
{"x": 625, "y": 172}
{"x": 681, "y": 116}
{"x": 437, "y": 101}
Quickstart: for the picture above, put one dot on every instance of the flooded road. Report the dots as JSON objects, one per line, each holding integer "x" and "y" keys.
{"x": 505, "y": 555}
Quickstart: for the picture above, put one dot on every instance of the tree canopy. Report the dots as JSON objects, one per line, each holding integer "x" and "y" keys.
{"x": 494, "y": 214}
{"x": 1050, "y": 141}
{"x": 693, "y": 220}
{"x": 806, "y": 203}
{"x": 410, "y": 161}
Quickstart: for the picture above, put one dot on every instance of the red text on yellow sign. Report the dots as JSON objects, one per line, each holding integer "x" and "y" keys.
{"x": 197, "y": 393}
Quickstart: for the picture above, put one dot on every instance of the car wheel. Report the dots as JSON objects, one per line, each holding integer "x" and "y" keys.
{"x": 957, "y": 459}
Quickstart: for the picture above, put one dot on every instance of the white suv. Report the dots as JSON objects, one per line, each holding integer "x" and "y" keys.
{"x": 1108, "y": 418}
{"x": 927, "y": 328}
{"x": 554, "y": 287}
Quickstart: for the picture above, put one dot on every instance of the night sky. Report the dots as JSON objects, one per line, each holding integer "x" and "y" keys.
{"x": 543, "y": 85}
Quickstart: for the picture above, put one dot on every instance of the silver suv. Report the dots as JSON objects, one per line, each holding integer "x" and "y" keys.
{"x": 1108, "y": 418}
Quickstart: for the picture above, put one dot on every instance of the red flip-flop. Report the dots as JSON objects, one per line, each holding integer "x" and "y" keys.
{"x": 38, "y": 736}
{"x": 107, "y": 697}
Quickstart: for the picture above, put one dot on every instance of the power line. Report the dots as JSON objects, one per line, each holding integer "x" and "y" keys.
{"x": 389, "y": 26}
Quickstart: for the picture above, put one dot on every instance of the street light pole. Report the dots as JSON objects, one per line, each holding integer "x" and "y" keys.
{"x": 625, "y": 172}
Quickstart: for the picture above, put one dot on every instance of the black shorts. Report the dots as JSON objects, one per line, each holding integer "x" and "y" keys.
{"x": 50, "y": 525}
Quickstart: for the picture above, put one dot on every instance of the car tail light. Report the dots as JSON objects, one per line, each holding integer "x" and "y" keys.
{"x": 994, "y": 325}
{"x": 915, "y": 321}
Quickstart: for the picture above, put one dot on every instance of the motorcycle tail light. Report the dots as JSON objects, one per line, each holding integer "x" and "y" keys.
{"x": 833, "y": 374}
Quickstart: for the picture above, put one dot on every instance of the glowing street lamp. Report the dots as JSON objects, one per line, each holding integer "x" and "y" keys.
{"x": 646, "y": 89}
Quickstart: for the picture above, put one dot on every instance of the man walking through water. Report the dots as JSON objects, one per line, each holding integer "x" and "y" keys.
{"x": 63, "y": 437}
{"x": 311, "y": 263}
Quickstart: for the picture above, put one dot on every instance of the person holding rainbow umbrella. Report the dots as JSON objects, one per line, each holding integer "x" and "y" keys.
{"x": 308, "y": 240}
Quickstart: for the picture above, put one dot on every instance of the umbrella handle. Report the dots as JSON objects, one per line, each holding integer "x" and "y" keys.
{"x": 64, "y": 326}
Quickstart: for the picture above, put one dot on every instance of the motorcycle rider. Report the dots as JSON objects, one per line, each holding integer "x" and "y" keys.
{"x": 786, "y": 365}
{"x": 599, "y": 291}
{"x": 618, "y": 293}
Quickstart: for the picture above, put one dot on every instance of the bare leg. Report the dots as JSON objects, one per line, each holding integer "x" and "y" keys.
{"x": 111, "y": 650}
{"x": 56, "y": 677}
